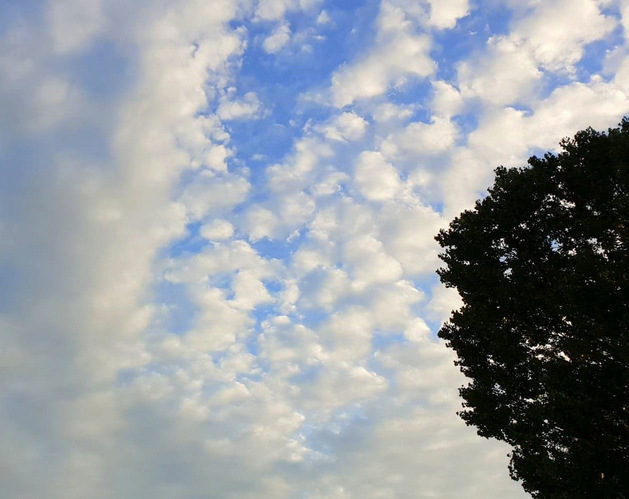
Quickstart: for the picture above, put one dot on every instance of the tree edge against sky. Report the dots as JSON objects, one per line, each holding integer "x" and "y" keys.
{"x": 541, "y": 266}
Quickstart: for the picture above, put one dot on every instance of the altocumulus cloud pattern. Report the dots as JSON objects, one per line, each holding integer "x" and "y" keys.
{"x": 216, "y": 234}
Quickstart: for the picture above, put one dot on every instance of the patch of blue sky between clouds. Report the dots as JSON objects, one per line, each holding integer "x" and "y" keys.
{"x": 281, "y": 249}
{"x": 192, "y": 242}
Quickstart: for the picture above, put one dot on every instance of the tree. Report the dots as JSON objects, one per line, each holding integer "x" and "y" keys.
{"x": 542, "y": 266}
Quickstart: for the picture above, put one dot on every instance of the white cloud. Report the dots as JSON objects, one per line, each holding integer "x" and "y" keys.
{"x": 346, "y": 127}
{"x": 557, "y": 32}
{"x": 622, "y": 76}
{"x": 259, "y": 223}
{"x": 566, "y": 110}
{"x": 342, "y": 386}
{"x": 330, "y": 184}
{"x": 550, "y": 37}
{"x": 280, "y": 217}
{"x": 96, "y": 221}
{"x": 369, "y": 263}
{"x": 216, "y": 157}
{"x": 223, "y": 258}
{"x": 445, "y": 14}
{"x": 376, "y": 179}
{"x": 217, "y": 230}
{"x": 596, "y": 103}
{"x": 336, "y": 285}
{"x": 284, "y": 344}
{"x": 421, "y": 139}
{"x": 219, "y": 324}
{"x": 209, "y": 194}
{"x": 277, "y": 40}
{"x": 398, "y": 55}
{"x": 276, "y": 9}
{"x": 407, "y": 233}
{"x": 249, "y": 291}
{"x": 233, "y": 109}
{"x": 447, "y": 100}
{"x": 433, "y": 13}
{"x": 391, "y": 306}
{"x": 442, "y": 302}
{"x": 323, "y": 18}
{"x": 387, "y": 112}
{"x": 504, "y": 74}
{"x": 300, "y": 168}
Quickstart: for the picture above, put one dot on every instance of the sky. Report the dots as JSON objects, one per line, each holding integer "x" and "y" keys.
{"x": 217, "y": 261}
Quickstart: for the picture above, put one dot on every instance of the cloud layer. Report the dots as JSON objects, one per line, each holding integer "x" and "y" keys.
{"x": 216, "y": 234}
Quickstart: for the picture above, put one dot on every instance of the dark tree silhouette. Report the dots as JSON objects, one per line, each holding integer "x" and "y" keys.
{"x": 542, "y": 266}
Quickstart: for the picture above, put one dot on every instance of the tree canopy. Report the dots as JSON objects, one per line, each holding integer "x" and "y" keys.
{"x": 542, "y": 266}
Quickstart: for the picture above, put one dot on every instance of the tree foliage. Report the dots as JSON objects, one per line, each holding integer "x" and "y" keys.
{"x": 542, "y": 266}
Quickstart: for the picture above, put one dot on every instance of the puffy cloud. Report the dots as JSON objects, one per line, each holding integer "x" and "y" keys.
{"x": 275, "y": 9}
{"x": 323, "y": 17}
{"x": 230, "y": 109}
{"x": 285, "y": 344}
{"x": 407, "y": 233}
{"x": 209, "y": 194}
{"x": 504, "y": 74}
{"x": 542, "y": 39}
{"x": 260, "y": 222}
{"x": 98, "y": 207}
{"x": 432, "y": 13}
{"x": 346, "y": 127}
{"x": 447, "y": 100}
{"x": 398, "y": 55}
{"x": 280, "y": 217}
{"x": 387, "y": 112}
{"x": 376, "y": 179}
{"x": 329, "y": 184}
{"x": 566, "y": 110}
{"x": 342, "y": 385}
{"x": 277, "y": 40}
{"x": 220, "y": 323}
{"x": 300, "y": 168}
{"x": 446, "y": 14}
{"x": 369, "y": 263}
{"x": 421, "y": 139}
{"x": 217, "y": 230}
{"x": 229, "y": 257}
{"x": 249, "y": 291}
{"x": 391, "y": 306}
{"x": 558, "y": 31}
{"x": 595, "y": 103}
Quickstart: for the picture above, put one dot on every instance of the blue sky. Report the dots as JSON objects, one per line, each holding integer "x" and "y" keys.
{"x": 216, "y": 234}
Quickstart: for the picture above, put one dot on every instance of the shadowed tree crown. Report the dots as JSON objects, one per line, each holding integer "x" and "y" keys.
{"x": 542, "y": 266}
